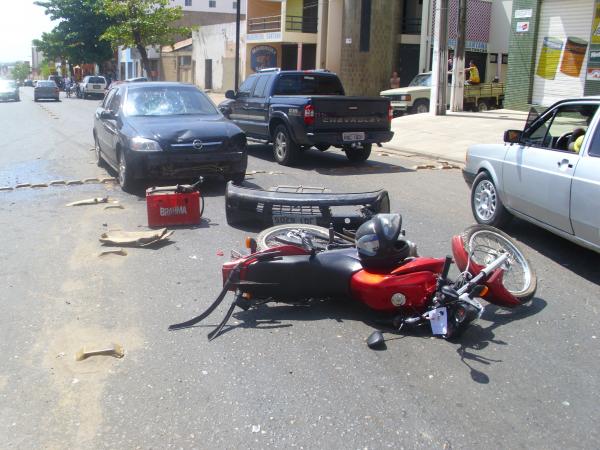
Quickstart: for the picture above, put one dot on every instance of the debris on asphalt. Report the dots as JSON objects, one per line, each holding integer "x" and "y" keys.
{"x": 220, "y": 253}
{"x": 57, "y": 183}
{"x": 135, "y": 238}
{"x": 118, "y": 251}
{"x": 6, "y": 188}
{"x": 89, "y": 201}
{"x": 115, "y": 205}
{"x": 115, "y": 350}
{"x": 74, "y": 182}
{"x": 23, "y": 185}
{"x": 39, "y": 185}
{"x": 108, "y": 180}
{"x": 91, "y": 180}
{"x": 255, "y": 428}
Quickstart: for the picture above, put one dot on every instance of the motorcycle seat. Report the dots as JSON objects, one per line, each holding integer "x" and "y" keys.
{"x": 326, "y": 274}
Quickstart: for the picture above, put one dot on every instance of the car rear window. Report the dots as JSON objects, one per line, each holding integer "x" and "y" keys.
{"x": 98, "y": 80}
{"x": 308, "y": 84}
{"x": 46, "y": 84}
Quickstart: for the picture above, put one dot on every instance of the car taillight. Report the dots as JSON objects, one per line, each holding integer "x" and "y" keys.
{"x": 309, "y": 115}
{"x": 390, "y": 112}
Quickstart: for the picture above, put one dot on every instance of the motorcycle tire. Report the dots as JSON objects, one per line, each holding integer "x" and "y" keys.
{"x": 483, "y": 243}
{"x": 319, "y": 235}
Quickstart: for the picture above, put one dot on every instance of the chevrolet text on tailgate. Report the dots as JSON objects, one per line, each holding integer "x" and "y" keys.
{"x": 296, "y": 110}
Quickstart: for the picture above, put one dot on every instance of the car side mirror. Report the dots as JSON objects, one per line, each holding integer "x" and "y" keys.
{"x": 513, "y": 136}
{"x": 230, "y": 94}
{"x": 106, "y": 114}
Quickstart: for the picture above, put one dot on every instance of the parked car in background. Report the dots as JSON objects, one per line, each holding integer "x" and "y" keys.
{"x": 128, "y": 80}
{"x": 58, "y": 80}
{"x": 547, "y": 174}
{"x": 92, "y": 85}
{"x": 415, "y": 97}
{"x": 166, "y": 130}
{"x": 296, "y": 110}
{"x": 46, "y": 89}
{"x": 9, "y": 90}
{"x": 28, "y": 83}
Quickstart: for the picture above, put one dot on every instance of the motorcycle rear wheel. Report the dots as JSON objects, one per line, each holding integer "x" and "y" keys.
{"x": 485, "y": 243}
{"x": 290, "y": 234}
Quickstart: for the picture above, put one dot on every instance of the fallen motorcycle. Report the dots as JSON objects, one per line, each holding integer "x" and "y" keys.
{"x": 381, "y": 269}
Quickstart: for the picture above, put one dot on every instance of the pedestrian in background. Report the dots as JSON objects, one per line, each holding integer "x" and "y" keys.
{"x": 394, "y": 81}
{"x": 473, "y": 73}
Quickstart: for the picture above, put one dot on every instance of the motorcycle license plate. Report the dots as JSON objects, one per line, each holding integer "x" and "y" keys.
{"x": 353, "y": 137}
{"x": 285, "y": 218}
{"x": 438, "y": 318}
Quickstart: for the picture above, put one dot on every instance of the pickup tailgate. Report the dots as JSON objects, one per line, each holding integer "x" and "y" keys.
{"x": 339, "y": 113}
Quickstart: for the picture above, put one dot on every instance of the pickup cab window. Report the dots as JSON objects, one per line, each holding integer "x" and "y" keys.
{"x": 261, "y": 84}
{"x": 247, "y": 86}
{"x": 308, "y": 84}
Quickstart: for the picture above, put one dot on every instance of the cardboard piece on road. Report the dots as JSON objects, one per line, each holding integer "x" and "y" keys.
{"x": 135, "y": 238}
{"x": 113, "y": 349}
{"x": 89, "y": 201}
{"x": 117, "y": 251}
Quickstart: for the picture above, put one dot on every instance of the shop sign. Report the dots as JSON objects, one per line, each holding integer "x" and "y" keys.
{"x": 262, "y": 57}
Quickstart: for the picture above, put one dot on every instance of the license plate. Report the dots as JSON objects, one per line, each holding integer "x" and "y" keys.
{"x": 353, "y": 137}
{"x": 96, "y": 86}
{"x": 283, "y": 219}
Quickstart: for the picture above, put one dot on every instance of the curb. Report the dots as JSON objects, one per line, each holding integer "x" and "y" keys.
{"x": 409, "y": 152}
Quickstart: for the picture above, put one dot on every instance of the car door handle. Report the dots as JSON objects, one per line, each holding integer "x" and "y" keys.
{"x": 564, "y": 162}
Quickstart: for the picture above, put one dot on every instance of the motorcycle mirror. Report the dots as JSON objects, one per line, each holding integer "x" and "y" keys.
{"x": 376, "y": 341}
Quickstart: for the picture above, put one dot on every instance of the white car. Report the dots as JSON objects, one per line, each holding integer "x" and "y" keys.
{"x": 548, "y": 174}
{"x": 92, "y": 85}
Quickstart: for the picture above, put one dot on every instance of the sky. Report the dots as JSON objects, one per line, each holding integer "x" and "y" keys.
{"x": 20, "y": 22}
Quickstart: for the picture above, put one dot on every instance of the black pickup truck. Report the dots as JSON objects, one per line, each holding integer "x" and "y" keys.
{"x": 296, "y": 110}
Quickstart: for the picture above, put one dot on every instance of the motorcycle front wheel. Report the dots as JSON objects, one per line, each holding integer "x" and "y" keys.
{"x": 293, "y": 234}
{"x": 485, "y": 243}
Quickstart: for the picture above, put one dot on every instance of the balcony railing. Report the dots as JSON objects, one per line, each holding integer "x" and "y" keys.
{"x": 411, "y": 25}
{"x": 269, "y": 24}
{"x": 272, "y": 24}
{"x": 301, "y": 24}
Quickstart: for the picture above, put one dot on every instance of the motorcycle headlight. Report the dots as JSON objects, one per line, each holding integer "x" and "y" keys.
{"x": 140, "y": 144}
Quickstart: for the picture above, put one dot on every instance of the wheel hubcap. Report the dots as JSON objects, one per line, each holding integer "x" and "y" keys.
{"x": 485, "y": 200}
{"x": 280, "y": 145}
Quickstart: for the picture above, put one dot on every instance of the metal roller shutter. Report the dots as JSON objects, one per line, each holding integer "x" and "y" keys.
{"x": 561, "y": 56}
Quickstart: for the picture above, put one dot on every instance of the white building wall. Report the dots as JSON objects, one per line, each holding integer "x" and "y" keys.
{"x": 221, "y": 6}
{"x": 500, "y": 26}
{"x": 217, "y": 43}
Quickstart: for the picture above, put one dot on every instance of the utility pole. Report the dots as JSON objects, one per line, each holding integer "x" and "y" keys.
{"x": 237, "y": 44}
{"x": 458, "y": 65}
{"x": 439, "y": 70}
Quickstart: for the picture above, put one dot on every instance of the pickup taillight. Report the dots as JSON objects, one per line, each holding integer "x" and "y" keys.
{"x": 309, "y": 115}
{"x": 390, "y": 112}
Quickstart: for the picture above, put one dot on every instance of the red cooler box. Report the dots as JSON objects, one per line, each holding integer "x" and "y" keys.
{"x": 168, "y": 207}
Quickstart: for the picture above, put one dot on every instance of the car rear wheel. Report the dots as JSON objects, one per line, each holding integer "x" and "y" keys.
{"x": 486, "y": 204}
{"x": 358, "y": 154}
{"x": 285, "y": 149}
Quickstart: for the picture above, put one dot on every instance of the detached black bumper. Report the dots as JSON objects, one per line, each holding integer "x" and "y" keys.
{"x": 336, "y": 138}
{"x": 246, "y": 205}
{"x": 182, "y": 165}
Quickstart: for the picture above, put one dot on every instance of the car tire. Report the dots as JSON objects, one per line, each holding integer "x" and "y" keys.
{"x": 98, "y": 153}
{"x": 421, "y": 106}
{"x": 124, "y": 173}
{"x": 285, "y": 150}
{"x": 358, "y": 155}
{"x": 486, "y": 205}
{"x": 236, "y": 178}
{"x": 322, "y": 147}
{"x": 482, "y": 106}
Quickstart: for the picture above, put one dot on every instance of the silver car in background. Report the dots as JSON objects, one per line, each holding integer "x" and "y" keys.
{"x": 46, "y": 89}
{"x": 547, "y": 174}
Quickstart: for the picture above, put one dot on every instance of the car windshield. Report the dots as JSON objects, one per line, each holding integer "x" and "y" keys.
{"x": 421, "y": 80}
{"x": 167, "y": 101}
{"x": 7, "y": 84}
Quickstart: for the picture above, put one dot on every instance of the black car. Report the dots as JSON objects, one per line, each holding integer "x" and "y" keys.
{"x": 9, "y": 90}
{"x": 166, "y": 130}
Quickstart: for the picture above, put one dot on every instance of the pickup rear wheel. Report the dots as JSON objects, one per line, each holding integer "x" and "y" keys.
{"x": 285, "y": 149}
{"x": 358, "y": 154}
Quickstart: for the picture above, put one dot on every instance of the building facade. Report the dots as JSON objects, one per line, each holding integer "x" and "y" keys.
{"x": 554, "y": 52}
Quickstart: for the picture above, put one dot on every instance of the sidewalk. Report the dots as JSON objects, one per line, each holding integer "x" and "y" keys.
{"x": 447, "y": 137}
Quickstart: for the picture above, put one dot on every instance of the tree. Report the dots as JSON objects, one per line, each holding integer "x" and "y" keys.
{"x": 81, "y": 23}
{"x": 52, "y": 45}
{"x": 21, "y": 71}
{"x": 140, "y": 23}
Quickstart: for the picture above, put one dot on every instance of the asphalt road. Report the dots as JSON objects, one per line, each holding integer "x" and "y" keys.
{"x": 280, "y": 376}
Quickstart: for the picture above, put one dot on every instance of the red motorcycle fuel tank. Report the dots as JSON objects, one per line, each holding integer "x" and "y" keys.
{"x": 415, "y": 280}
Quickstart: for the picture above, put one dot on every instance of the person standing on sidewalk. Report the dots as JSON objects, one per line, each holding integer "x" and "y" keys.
{"x": 394, "y": 81}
